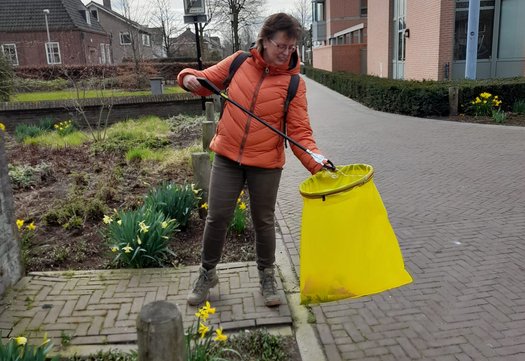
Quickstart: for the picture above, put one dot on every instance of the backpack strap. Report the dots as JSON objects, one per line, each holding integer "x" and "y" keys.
{"x": 292, "y": 90}
{"x": 236, "y": 63}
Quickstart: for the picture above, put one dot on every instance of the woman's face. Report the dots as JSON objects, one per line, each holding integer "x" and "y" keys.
{"x": 277, "y": 50}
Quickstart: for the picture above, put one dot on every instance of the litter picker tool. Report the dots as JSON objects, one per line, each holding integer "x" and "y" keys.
{"x": 319, "y": 158}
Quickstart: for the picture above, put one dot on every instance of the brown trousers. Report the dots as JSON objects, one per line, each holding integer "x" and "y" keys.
{"x": 226, "y": 183}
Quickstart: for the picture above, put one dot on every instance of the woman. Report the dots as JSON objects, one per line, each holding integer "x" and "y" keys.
{"x": 248, "y": 152}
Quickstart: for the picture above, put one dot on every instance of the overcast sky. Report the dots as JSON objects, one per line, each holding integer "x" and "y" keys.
{"x": 272, "y": 5}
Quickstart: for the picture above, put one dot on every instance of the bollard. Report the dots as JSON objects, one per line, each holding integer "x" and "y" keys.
{"x": 160, "y": 334}
{"x": 201, "y": 174}
{"x": 210, "y": 112}
{"x": 453, "y": 100}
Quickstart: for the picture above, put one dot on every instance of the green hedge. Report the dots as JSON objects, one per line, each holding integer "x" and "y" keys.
{"x": 6, "y": 79}
{"x": 416, "y": 98}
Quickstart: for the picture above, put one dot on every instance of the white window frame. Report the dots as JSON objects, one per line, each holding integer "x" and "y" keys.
{"x": 50, "y": 60}
{"x": 102, "y": 53}
{"x": 9, "y": 57}
{"x": 123, "y": 33}
{"x": 108, "y": 54}
{"x": 146, "y": 40}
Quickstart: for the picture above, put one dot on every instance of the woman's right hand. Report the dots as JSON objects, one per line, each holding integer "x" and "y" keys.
{"x": 191, "y": 83}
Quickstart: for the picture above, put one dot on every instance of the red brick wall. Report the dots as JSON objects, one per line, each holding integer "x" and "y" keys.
{"x": 339, "y": 58}
{"x": 379, "y": 38}
{"x": 74, "y": 46}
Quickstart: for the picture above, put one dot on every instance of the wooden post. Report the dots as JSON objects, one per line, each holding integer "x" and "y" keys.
{"x": 160, "y": 334}
{"x": 201, "y": 174}
{"x": 208, "y": 127}
{"x": 453, "y": 100}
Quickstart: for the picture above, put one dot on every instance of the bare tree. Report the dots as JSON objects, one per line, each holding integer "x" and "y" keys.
{"x": 303, "y": 13}
{"x": 239, "y": 14}
{"x": 170, "y": 23}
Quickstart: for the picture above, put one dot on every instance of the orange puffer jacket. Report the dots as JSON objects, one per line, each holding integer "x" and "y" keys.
{"x": 262, "y": 89}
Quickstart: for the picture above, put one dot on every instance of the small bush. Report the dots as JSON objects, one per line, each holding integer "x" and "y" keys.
{"x": 484, "y": 104}
{"x": 175, "y": 201}
{"x": 519, "y": 107}
{"x": 6, "y": 79}
{"x": 27, "y": 176}
{"x": 259, "y": 345}
{"x": 17, "y": 349}
{"x": 140, "y": 238}
{"x": 499, "y": 116}
{"x": 73, "y": 212}
{"x": 238, "y": 223}
{"x": 24, "y": 85}
{"x": 24, "y": 131}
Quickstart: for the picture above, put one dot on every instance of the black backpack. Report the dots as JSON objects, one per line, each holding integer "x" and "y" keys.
{"x": 292, "y": 87}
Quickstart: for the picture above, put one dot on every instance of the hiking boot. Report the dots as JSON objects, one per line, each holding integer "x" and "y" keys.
{"x": 206, "y": 280}
{"x": 269, "y": 287}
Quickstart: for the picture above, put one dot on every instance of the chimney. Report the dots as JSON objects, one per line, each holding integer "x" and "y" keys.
{"x": 107, "y": 4}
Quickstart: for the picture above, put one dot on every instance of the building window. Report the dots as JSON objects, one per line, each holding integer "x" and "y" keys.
{"x": 125, "y": 38}
{"x": 318, "y": 10}
{"x": 146, "y": 41}
{"x": 53, "y": 53}
{"x": 364, "y": 8}
{"x": 102, "y": 54}
{"x": 511, "y": 23}
{"x": 94, "y": 13}
{"x": 108, "y": 54}
{"x": 9, "y": 51}
{"x": 485, "y": 28}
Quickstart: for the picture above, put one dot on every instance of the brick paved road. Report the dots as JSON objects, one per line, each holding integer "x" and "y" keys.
{"x": 101, "y": 307}
{"x": 455, "y": 194}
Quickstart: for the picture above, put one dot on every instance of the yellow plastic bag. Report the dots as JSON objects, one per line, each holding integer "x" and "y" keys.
{"x": 348, "y": 247}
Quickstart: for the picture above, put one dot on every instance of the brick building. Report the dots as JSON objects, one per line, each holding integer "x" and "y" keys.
{"x": 129, "y": 39}
{"x": 339, "y": 35}
{"x": 411, "y": 39}
{"x": 50, "y": 32}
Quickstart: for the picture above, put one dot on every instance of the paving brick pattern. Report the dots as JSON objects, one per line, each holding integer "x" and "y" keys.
{"x": 455, "y": 194}
{"x": 101, "y": 307}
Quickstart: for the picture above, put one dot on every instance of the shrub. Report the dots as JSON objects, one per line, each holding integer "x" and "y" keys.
{"x": 499, "y": 116}
{"x": 238, "y": 223}
{"x": 17, "y": 349}
{"x": 24, "y": 131}
{"x": 74, "y": 211}
{"x": 175, "y": 201}
{"x": 6, "y": 79}
{"x": 140, "y": 238}
{"x": 519, "y": 107}
{"x": 24, "y": 85}
{"x": 27, "y": 176}
{"x": 484, "y": 104}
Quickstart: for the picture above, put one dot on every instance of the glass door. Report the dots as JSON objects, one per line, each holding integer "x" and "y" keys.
{"x": 399, "y": 41}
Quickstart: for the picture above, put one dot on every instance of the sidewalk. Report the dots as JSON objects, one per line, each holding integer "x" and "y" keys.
{"x": 455, "y": 194}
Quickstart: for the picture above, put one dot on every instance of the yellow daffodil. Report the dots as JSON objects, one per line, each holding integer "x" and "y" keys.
{"x": 107, "y": 219}
{"x": 242, "y": 193}
{"x": 127, "y": 249}
{"x": 114, "y": 249}
{"x": 139, "y": 241}
{"x": 119, "y": 222}
{"x": 207, "y": 308}
{"x": 2, "y": 127}
{"x": 19, "y": 223}
{"x": 203, "y": 329}
{"x": 242, "y": 206}
{"x": 239, "y": 200}
{"x": 164, "y": 225}
{"x": 485, "y": 95}
{"x": 203, "y": 315}
{"x": 204, "y": 205}
{"x": 143, "y": 227}
{"x": 194, "y": 190}
{"x": 20, "y": 340}
{"x": 31, "y": 226}
{"x": 219, "y": 335}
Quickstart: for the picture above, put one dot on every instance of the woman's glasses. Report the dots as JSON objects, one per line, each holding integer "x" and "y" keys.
{"x": 284, "y": 47}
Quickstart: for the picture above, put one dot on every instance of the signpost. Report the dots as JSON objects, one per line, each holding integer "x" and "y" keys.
{"x": 195, "y": 12}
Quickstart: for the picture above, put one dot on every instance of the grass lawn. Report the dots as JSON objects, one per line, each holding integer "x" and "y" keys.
{"x": 71, "y": 94}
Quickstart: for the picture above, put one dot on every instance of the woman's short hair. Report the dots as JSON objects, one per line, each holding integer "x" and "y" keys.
{"x": 276, "y": 23}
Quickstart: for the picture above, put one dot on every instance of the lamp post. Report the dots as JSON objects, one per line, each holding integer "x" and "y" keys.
{"x": 46, "y": 12}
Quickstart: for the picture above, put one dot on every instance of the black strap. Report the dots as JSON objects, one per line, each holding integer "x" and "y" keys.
{"x": 236, "y": 63}
{"x": 292, "y": 90}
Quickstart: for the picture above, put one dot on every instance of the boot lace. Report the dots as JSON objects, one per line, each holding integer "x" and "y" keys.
{"x": 268, "y": 284}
